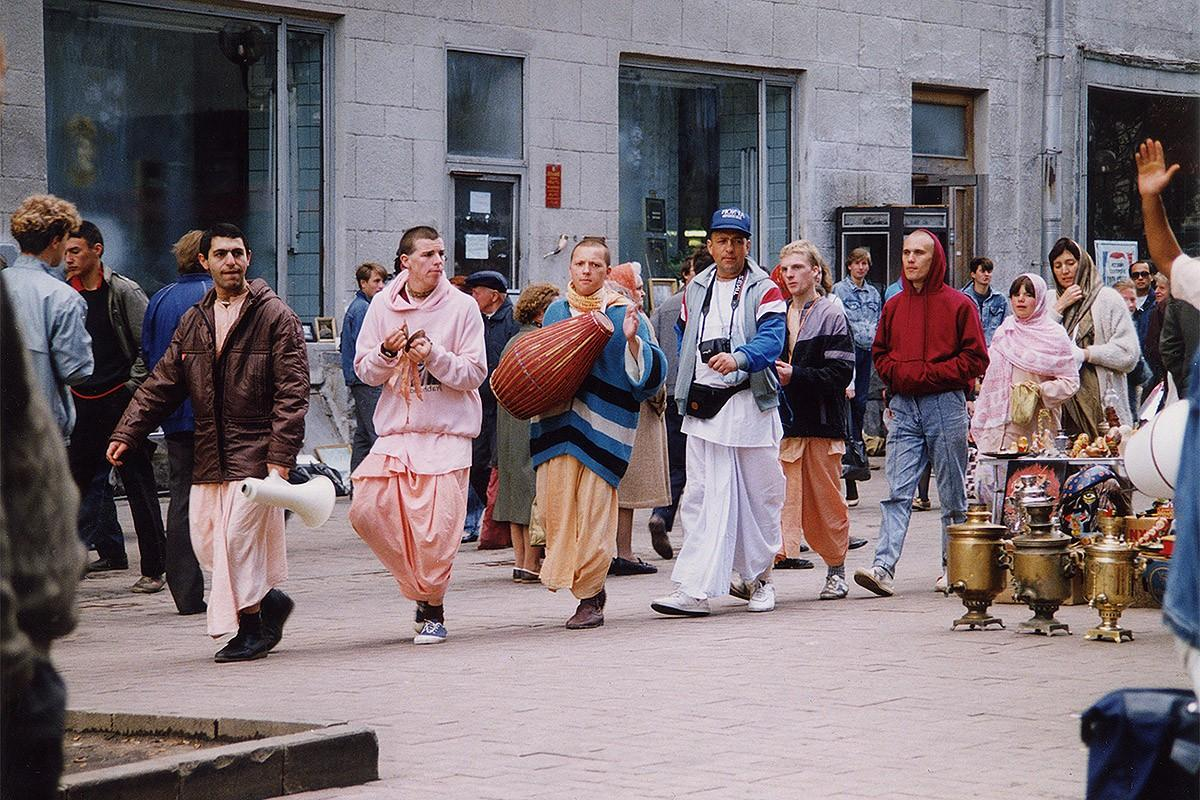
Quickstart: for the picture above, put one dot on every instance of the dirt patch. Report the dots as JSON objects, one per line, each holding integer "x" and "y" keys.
{"x": 89, "y": 750}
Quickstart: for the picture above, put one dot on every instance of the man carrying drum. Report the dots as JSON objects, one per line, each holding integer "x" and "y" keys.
{"x": 581, "y": 453}
{"x": 422, "y": 340}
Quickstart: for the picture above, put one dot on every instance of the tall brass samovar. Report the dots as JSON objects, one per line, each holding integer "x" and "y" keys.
{"x": 1110, "y": 567}
{"x": 975, "y": 566}
{"x": 1042, "y": 568}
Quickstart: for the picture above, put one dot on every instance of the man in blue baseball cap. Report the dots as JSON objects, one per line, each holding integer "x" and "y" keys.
{"x": 490, "y": 290}
{"x": 733, "y": 329}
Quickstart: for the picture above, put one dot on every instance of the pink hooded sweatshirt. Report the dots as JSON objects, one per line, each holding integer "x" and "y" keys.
{"x": 430, "y": 435}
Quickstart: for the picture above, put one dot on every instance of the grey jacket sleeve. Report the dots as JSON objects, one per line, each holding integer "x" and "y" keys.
{"x": 132, "y": 302}
{"x": 70, "y": 342}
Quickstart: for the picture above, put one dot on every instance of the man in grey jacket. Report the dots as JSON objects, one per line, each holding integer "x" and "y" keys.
{"x": 50, "y": 315}
{"x": 115, "y": 307}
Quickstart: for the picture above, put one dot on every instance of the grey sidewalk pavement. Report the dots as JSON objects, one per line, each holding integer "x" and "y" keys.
{"x": 861, "y": 698}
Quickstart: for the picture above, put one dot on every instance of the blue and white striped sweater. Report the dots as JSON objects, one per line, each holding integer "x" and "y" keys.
{"x": 599, "y": 428}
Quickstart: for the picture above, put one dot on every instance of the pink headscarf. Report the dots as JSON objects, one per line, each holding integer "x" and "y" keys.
{"x": 1038, "y": 345}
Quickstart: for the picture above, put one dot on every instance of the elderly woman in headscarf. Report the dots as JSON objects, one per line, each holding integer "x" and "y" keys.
{"x": 647, "y": 481}
{"x": 1030, "y": 351}
{"x": 1105, "y": 341}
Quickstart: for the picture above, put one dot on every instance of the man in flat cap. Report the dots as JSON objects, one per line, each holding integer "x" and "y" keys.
{"x": 490, "y": 290}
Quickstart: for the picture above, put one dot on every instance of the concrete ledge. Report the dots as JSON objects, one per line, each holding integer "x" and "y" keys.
{"x": 279, "y": 758}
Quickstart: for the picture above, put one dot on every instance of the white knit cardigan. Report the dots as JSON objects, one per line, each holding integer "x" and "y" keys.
{"x": 1115, "y": 351}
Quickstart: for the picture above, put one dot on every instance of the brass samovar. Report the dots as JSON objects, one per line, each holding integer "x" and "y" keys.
{"x": 1110, "y": 567}
{"x": 975, "y": 565}
{"x": 1041, "y": 568}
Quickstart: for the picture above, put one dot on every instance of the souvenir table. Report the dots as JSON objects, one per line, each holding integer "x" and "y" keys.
{"x": 1005, "y": 471}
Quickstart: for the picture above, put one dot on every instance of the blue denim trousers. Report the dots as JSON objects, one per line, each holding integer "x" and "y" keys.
{"x": 929, "y": 428}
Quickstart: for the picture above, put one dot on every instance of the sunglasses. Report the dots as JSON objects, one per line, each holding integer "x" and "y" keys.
{"x": 1141, "y": 274}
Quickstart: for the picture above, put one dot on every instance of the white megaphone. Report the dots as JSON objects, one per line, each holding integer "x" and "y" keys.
{"x": 1154, "y": 451}
{"x": 311, "y": 501}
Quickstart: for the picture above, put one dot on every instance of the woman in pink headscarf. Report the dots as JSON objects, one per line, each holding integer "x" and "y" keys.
{"x": 1030, "y": 350}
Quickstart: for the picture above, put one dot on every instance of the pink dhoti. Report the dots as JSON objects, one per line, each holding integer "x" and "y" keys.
{"x": 412, "y": 522}
{"x": 240, "y": 544}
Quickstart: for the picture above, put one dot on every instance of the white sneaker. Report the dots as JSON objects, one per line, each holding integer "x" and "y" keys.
{"x": 763, "y": 598}
{"x": 835, "y": 588}
{"x": 679, "y": 604}
{"x": 940, "y": 584}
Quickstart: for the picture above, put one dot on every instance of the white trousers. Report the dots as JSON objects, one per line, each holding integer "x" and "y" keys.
{"x": 730, "y": 513}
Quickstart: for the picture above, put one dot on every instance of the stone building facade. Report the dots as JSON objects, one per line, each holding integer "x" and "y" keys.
{"x": 511, "y": 123}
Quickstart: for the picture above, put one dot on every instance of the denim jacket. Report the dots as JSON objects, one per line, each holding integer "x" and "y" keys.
{"x": 863, "y": 306}
{"x": 993, "y": 308}
{"x": 351, "y": 325}
{"x": 1181, "y": 604}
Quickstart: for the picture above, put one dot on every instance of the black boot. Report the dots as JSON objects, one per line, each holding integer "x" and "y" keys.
{"x": 249, "y": 643}
{"x": 276, "y": 608}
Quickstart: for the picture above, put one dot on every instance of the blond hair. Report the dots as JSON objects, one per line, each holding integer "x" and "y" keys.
{"x": 534, "y": 300}
{"x": 812, "y": 254}
{"x": 42, "y": 218}
{"x": 185, "y": 251}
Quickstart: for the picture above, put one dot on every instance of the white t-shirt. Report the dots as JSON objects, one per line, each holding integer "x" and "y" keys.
{"x": 739, "y": 423}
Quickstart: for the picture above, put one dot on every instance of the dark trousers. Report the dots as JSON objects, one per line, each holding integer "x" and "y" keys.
{"x": 99, "y": 527}
{"x": 483, "y": 454}
{"x": 184, "y": 577}
{"x": 862, "y": 388}
{"x": 94, "y": 423}
{"x": 676, "y": 463}
{"x": 365, "y": 400}
{"x": 31, "y": 753}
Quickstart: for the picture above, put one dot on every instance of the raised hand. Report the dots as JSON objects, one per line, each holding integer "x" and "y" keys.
{"x": 630, "y": 324}
{"x": 1153, "y": 172}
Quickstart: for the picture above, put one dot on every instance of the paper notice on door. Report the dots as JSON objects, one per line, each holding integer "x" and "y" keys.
{"x": 481, "y": 202}
{"x": 476, "y": 245}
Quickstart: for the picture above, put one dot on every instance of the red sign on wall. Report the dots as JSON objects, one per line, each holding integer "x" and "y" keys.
{"x": 554, "y": 186}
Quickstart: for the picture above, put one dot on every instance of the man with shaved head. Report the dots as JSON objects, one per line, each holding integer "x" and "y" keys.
{"x": 928, "y": 350}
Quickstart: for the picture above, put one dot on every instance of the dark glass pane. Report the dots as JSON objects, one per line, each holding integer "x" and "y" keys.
{"x": 158, "y": 122}
{"x": 484, "y": 105}
{"x": 306, "y": 204}
{"x": 484, "y": 230}
{"x": 688, "y": 144}
{"x": 1119, "y": 121}
{"x": 939, "y": 130}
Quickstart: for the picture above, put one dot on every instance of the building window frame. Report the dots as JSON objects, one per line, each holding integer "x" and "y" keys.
{"x": 313, "y": 22}
{"x": 496, "y": 168}
{"x": 760, "y": 248}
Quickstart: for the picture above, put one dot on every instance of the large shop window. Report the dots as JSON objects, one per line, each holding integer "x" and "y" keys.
{"x": 485, "y": 146}
{"x": 690, "y": 143}
{"x": 1117, "y": 121}
{"x": 160, "y": 121}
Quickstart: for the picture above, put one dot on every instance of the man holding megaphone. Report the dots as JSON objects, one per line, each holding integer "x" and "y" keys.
{"x": 239, "y": 355}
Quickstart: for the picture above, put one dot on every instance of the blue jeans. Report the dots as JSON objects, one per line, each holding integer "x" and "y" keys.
{"x": 1181, "y": 605}
{"x": 365, "y": 399}
{"x": 862, "y": 388}
{"x": 923, "y": 429}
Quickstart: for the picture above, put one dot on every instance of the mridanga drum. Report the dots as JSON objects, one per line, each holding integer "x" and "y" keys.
{"x": 544, "y": 369}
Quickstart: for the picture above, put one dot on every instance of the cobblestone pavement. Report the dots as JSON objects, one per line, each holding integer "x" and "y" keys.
{"x": 861, "y": 698}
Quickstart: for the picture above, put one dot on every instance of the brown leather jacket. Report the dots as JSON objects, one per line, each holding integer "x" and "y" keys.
{"x": 249, "y": 402}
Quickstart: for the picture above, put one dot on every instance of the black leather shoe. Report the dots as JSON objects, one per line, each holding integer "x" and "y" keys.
{"x": 106, "y": 565}
{"x": 276, "y": 608}
{"x": 248, "y": 645}
{"x": 856, "y": 542}
{"x": 470, "y": 537}
{"x": 623, "y": 566}
{"x": 793, "y": 563}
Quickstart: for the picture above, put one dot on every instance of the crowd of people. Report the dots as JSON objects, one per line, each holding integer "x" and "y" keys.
{"x": 736, "y": 409}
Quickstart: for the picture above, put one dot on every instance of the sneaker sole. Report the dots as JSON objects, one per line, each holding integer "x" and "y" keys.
{"x": 672, "y": 611}
{"x": 760, "y": 610}
{"x": 145, "y": 590}
{"x": 872, "y": 585}
{"x": 839, "y": 596}
{"x": 429, "y": 639}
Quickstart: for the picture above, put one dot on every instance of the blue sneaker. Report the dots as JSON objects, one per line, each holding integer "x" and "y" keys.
{"x": 431, "y": 633}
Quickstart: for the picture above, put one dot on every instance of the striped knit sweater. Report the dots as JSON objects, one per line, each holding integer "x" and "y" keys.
{"x": 599, "y": 428}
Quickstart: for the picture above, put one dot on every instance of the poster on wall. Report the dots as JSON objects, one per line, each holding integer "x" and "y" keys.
{"x": 1114, "y": 259}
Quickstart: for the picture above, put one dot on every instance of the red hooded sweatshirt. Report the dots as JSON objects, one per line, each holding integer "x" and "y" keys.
{"x": 931, "y": 340}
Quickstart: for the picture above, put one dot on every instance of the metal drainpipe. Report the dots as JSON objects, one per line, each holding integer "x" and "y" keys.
{"x": 1052, "y": 103}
